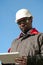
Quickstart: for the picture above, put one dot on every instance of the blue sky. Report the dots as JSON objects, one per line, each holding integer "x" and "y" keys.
{"x": 9, "y": 30}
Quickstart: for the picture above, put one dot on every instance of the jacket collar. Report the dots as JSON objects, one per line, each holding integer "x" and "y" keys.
{"x": 33, "y": 31}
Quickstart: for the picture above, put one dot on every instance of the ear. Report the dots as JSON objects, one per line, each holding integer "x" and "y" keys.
{"x": 31, "y": 19}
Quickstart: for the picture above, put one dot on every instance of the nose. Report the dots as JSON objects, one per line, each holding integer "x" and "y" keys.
{"x": 22, "y": 24}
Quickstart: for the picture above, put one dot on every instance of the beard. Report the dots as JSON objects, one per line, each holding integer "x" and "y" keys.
{"x": 25, "y": 29}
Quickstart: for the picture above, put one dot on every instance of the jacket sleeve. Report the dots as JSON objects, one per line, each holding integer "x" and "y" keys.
{"x": 40, "y": 43}
{"x": 37, "y": 59}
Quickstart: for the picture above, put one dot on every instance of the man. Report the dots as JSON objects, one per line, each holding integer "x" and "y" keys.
{"x": 30, "y": 41}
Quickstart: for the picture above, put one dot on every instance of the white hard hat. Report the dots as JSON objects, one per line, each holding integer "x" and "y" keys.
{"x": 22, "y": 13}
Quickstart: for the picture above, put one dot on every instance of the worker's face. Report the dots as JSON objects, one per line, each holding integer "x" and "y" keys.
{"x": 25, "y": 24}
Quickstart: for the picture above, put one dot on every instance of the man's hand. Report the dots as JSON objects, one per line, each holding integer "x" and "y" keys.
{"x": 21, "y": 60}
